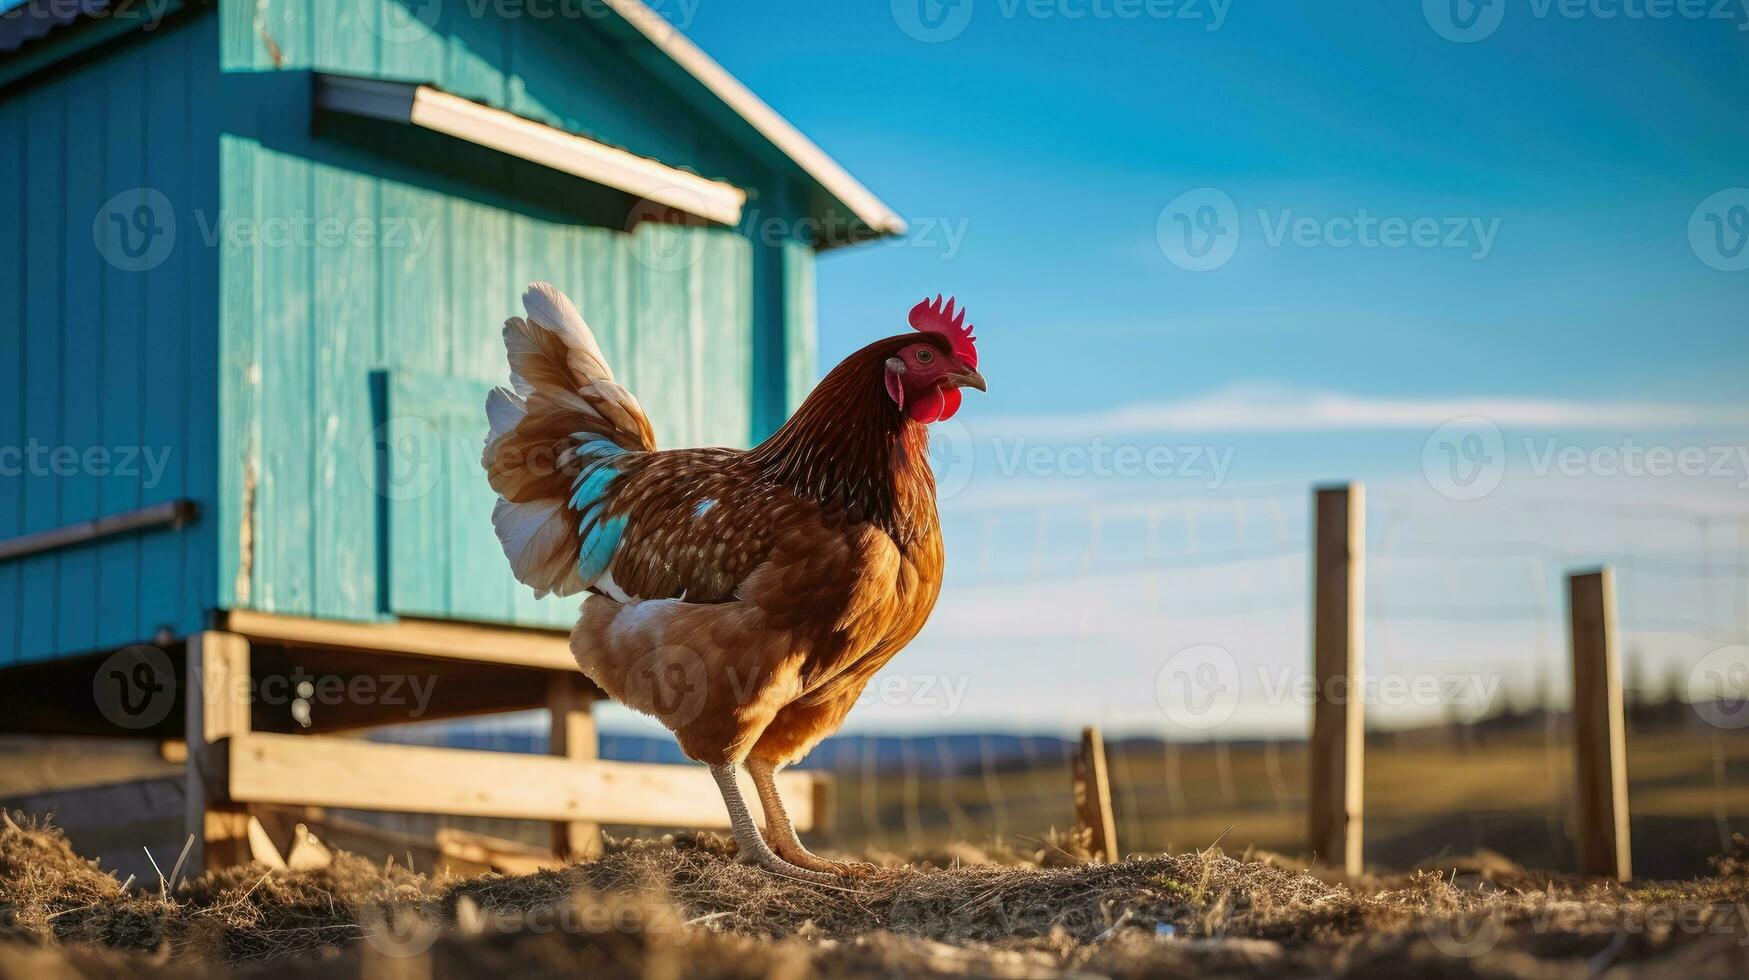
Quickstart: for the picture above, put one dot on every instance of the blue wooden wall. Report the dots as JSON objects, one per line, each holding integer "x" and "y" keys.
{"x": 320, "y": 394}
{"x": 354, "y": 374}
{"x": 96, "y": 358}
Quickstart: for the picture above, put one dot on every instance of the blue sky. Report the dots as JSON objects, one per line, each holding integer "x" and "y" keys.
{"x": 1571, "y": 302}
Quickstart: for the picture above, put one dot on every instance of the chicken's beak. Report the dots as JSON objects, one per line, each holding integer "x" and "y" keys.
{"x": 968, "y": 378}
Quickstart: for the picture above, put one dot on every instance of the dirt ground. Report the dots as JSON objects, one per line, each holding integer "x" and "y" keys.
{"x": 682, "y": 907}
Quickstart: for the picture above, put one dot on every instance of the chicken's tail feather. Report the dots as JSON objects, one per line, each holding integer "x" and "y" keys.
{"x": 558, "y": 437}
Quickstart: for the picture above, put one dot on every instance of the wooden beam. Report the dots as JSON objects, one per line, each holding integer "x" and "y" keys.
{"x": 171, "y": 513}
{"x": 580, "y": 156}
{"x": 217, "y": 700}
{"x": 1093, "y": 797}
{"x": 508, "y": 646}
{"x": 1338, "y": 714}
{"x": 569, "y": 698}
{"x": 316, "y": 770}
{"x": 1599, "y": 733}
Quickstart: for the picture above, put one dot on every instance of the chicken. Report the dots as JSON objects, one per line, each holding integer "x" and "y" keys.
{"x": 742, "y": 597}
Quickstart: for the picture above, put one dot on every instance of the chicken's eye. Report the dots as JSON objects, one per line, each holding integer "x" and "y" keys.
{"x": 925, "y": 355}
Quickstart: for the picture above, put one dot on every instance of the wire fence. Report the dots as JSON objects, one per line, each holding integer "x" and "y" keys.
{"x": 1469, "y": 742}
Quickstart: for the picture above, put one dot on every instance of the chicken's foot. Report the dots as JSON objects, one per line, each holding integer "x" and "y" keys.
{"x": 784, "y": 839}
{"x": 753, "y": 849}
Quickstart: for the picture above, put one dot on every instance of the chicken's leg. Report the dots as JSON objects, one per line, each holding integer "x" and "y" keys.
{"x": 783, "y": 833}
{"x": 753, "y": 848}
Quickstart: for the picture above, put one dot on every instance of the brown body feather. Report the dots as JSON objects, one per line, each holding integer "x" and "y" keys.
{"x": 762, "y": 589}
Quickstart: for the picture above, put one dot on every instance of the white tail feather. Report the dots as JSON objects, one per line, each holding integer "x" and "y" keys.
{"x": 554, "y": 310}
{"x": 535, "y": 539}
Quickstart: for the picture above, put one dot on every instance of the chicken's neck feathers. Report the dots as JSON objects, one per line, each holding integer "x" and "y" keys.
{"x": 850, "y": 446}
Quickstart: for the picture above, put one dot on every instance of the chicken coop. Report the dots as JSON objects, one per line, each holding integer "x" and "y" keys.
{"x": 258, "y": 257}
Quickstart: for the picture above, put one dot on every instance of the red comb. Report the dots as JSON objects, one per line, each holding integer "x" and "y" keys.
{"x": 934, "y": 318}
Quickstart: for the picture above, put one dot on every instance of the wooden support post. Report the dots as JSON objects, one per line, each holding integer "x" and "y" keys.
{"x": 1599, "y": 739}
{"x": 1093, "y": 796}
{"x": 216, "y": 696}
{"x": 1338, "y": 714}
{"x": 570, "y": 696}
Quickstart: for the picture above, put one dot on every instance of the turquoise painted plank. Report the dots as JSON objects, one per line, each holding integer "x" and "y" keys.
{"x": 480, "y": 275}
{"x": 202, "y": 546}
{"x": 475, "y": 48}
{"x": 166, "y": 403}
{"x": 81, "y": 393}
{"x": 662, "y": 256}
{"x": 413, "y": 46}
{"x": 546, "y": 250}
{"x": 344, "y": 298}
{"x": 800, "y": 335}
{"x": 284, "y": 543}
{"x": 433, "y": 436}
{"x": 13, "y": 191}
{"x": 239, "y": 409}
{"x": 129, "y": 96}
{"x": 724, "y": 354}
{"x": 45, "y": 157}
{"x": 415, "y": 343}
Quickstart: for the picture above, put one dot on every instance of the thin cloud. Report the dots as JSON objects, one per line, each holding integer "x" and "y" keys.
{"x": 1260, "y": 408}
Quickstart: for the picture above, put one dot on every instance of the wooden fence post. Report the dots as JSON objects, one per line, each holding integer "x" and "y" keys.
{"x": 1338, "y": 715}
{"x": 216, "y": 696}
{"x": 1093, "y": 796}
{"x": 573, "y": 737}
{"x": 1599, "y": 739}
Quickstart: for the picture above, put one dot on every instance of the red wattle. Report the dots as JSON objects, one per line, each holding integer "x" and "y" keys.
{"x": 933, "y": 405}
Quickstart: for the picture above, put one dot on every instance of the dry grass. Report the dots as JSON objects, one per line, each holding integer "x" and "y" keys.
{"x": 682, "y": 907}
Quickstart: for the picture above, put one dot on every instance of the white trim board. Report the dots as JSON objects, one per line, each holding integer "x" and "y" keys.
{"x": 430, "y": 108}
{"x": 790, "y": 141}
